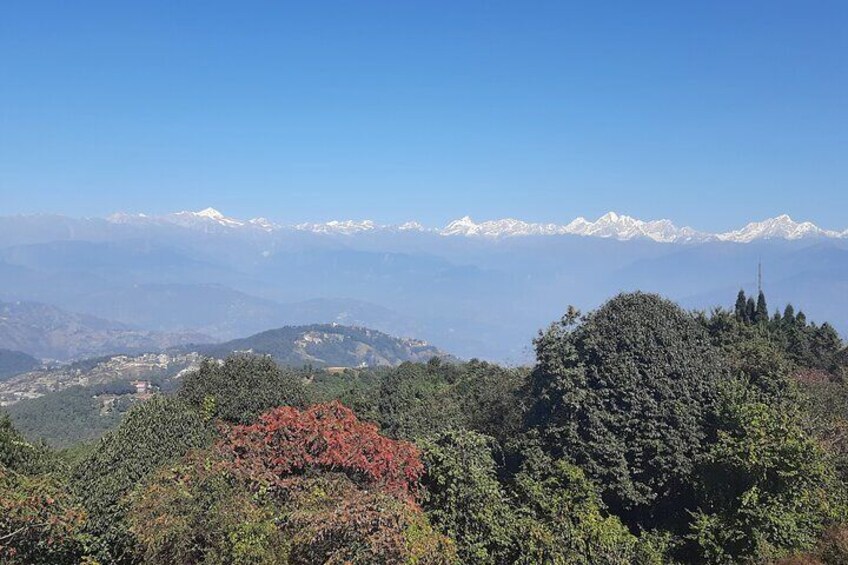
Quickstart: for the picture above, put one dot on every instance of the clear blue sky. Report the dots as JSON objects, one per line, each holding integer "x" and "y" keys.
{"x": 708, "y": 113}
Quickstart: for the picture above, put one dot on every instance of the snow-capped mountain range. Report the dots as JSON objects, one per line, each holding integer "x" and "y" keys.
{"x": 610, "y": 225}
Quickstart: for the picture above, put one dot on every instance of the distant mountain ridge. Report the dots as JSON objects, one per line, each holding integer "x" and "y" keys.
{"x": 15, "y": 362}
{"x": 478, "y": 289}
{"x": 610, "y": 225}
{"x": 327, "y": 345}
{"x": 47, "y": 332}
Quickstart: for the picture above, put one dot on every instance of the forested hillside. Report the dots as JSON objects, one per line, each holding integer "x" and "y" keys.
{"x": 642, "y": 434}
{"x": 66, "y": 403}
{"x": 327, "y": 345}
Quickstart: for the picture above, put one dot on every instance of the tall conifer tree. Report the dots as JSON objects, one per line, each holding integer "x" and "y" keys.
{"x": 750, "y": 310}
{"x": 740, "y": 306}
{"x": 762, "y": 314}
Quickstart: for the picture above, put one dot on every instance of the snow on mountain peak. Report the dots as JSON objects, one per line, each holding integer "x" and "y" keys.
{"x": 206, "y": 217}
{"x": 463, "y": 226}
{"x": 411, "y": 226}
{"x": 263, "y": 224}
{"x": 211, "y": 213}
{"x": 346, "y": 227}
{"x": 780, "y": 227}
{"x": 611, "y": 225}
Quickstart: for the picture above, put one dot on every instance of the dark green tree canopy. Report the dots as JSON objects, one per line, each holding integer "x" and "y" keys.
{"x": 762, "y": 315}
{"x": 152, "y": 434}
{"x": 464, "y": 499}
{"x": 625, "y": 392}
{"x": 21, "y": 456}
{"x": 241, "y": 388}
{"x": 750, "y": 310}
{"x": 741, "y": 307}
{"x": 789, "y": 314}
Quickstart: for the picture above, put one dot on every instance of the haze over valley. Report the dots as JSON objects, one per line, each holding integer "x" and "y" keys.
{"x": 134, "y": 282}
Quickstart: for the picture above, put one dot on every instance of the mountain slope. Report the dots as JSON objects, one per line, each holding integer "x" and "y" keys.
{"x": 48, "y": 332}
{"x": 15, "y": 362}
{"x": 483, "y": 295}
{"x": 328, "y": 345}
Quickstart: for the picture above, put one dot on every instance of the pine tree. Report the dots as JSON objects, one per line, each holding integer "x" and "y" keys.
{"x": 762, "y": 315}
{"x": 789, "y": 314}
{"x": 740, "y": 306}
{"x": 750, "y": 310}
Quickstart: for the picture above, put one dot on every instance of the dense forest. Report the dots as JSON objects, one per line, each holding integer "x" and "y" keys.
{"x": 643, "y": 434}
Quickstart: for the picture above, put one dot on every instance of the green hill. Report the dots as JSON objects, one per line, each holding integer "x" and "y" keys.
{"x": 328, "y": 345}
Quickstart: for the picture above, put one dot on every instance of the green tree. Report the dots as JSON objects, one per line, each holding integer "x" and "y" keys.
{"x": 492, "y": 398}
{"x": 762, "y": 363}
{"x": 19, "y": 455}
{"x": 624, "y": 393}
{"x": 559, "y": 519}
{"x": 762, "y": 315}
{"x": 152, "y": 434}
{"x": 767, "y": 487}
{"x": 40, "y": 519}
{"x": 789, "y": 314}
{"x": 463, "y": 497}
{"x": 750, "y": 310}
{"x": 415, "y": 400}
{"x": 203, "y": 513}
{"x": 741, "y": 307}
{"x": 241, "y": 388}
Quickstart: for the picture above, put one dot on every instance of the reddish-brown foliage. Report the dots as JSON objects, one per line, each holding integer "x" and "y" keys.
{"x": 324, "y": 437}
{"x": 800, "y": 559}
{"x": 335, "y": 522}
{"x": 813, "y": 376}
{"x": 833, "y": 546}
{"x": 39, "y": 522}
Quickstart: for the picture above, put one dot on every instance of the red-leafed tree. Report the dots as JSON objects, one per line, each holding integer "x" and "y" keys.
{"x": 288, "y": 442}
{"x": 339, "y": 493}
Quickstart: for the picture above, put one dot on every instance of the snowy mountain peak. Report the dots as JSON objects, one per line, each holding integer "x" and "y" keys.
{"x": 611, "y": 225}
{"x": 411, "y": 226}
{"x": 346, "y": 227}
{"x": 208, "y": 217}
{"x": 463, "y": 226}
{"x": 211, "y": 213}
{"x": 780, "y": 227}
{"x": 263, "y": 224}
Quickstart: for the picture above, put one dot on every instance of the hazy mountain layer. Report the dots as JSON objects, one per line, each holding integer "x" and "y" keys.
{"x": 51, "y": 333}
{"x": 475, "y": 296}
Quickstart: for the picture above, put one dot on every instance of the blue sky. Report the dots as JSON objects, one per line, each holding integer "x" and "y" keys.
{"x": 710, "y": 113}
